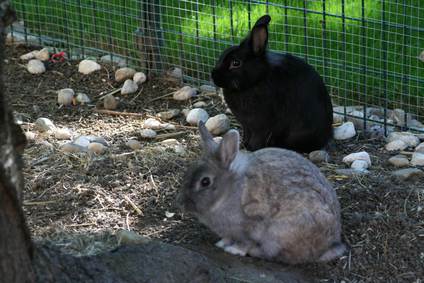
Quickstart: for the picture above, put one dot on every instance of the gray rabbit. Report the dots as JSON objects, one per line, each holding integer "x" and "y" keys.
{"x": 272, "y": 203}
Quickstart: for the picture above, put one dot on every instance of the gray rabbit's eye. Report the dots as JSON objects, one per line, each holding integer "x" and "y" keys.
{"x": 235, "y": 63}
{"x": 206, "y": 181}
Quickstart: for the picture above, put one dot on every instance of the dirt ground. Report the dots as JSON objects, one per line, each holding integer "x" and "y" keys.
{"x": 78, "y": 202}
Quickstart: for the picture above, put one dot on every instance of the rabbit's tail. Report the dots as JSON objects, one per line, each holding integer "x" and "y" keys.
{"x": 335, "y": 251}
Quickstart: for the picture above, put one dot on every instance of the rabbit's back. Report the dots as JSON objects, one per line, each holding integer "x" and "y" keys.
{"x": 293, "y": 208}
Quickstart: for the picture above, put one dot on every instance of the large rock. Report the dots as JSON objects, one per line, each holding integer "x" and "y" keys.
{"x": 88, "y": 66}
{"x": 417, "y": 159}
{"x": 420, "y": 148}
{"x": 410, "y": 139}
{"x": 196, "y": 115}
{"x": 345, "y": 131}
{"x": 318, "y": 156}
{"x": 44, "y": 125}
{"x": 65, "y": 96}
{"x": 123, "y": 74}
{"x": 363, "y": 155}
{"x": 129, "y": 87}
{"x": 36, "y": 67}
{"x": 408, "y": 174}
{"x": 396, "y": 145}
{"x": 218, "y": 125}
{"x": 139, "y": 78}
{"x": 399, "y": 160}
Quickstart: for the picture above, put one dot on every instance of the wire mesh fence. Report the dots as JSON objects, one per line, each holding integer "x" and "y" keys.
{"x": 369, "y": 52}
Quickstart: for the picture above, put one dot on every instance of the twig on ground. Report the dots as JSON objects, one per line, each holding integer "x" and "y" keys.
{"x": 170, "y": 135}
{"x": 160, "y": 97}
{"x": 112, "y": 92}
{"x": 134, "y": 206}
{"x": 111, "y": 112}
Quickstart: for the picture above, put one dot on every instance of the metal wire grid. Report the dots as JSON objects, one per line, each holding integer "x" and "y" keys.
{"x": 367, "y": 51}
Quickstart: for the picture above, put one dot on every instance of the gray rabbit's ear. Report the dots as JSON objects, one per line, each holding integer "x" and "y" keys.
{"x": 229, "y": 147}
{"x": 259, "y": 35}
{"x": 209, "y": 145}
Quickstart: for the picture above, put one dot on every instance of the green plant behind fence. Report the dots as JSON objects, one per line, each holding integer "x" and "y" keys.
{"x": 368, "y": 51}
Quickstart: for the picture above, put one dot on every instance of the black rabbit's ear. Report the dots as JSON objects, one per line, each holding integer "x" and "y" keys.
{"x": 229, "y": 147}
{"x": 259, "y": 35}
{"x": 209, "y": 145}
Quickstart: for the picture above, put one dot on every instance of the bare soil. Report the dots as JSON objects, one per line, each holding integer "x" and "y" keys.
{"x": 78, "y": 201}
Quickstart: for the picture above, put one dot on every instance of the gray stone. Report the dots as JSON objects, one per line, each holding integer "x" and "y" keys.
{"x": 110, "y": 102}
{"x": 65, "y": 96}
{"x": 420, "y": 148}
{"x": 410, "y": 139}
{"x": 129, "y": 87}
{"x": 195, "y": 115}
{"x": 88, "y": 66}
{"x": 176, "y": 73}
{"x": 359, "y": 165}
{"x": 139, "y": 78}
{"x": 399, "y": 160}
{"x": 417, "y": 159}
{"x": 148, "y": 133}
{"x": 351, "y": 172}
{"x": 345, "y": 131}
{"x": 83, "y": 98}
{"x": 134, "y": 144}
{"x": 36, "y": 67}
{"x": 363, "y": 155}
{"x": 396, "y": 145}
{"x": 168, "y": 115}
{"x": 408, "y": 174}
{"x": 319, "y": 156}
{"x": 218, "y": 124}
{"x": 152, "y": 123}
{"x": 44, "y": 125}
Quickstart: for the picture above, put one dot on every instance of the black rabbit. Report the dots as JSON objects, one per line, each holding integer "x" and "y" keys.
{"x": 279, "y": 99}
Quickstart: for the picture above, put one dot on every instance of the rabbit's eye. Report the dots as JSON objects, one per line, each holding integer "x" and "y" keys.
{"x": 235, "y": 64}
{"x": 206, "y": 181}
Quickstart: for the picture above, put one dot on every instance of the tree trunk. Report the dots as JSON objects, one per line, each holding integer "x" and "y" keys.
{"x": 22, "y": 261}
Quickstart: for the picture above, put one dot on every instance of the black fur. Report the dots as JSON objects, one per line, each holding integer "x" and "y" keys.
{"x": 279, "y": 99}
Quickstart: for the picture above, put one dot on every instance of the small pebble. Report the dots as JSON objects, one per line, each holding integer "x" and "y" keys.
{"x": 168, "y": 115}
{"x": 134, "y": 144}
{"x": 200, "y": 104}
{"x": 65, "y": 96}
{"x": 396, "y": 145}
{"x": 129, "y": 87}
{"x": 399, "y": 160}
{"x": 345, "y": 131}
{"x": 148, "y": 133}
{"x": 139, "y": 78}
{"x": 417, "y": 159}
{"x": 88, "y": 66}
{"x": 83, "y": 98}
{"x": 96, "y": 148}
{"x": 110, "y": 102}
{"x": 217, "y": 125}
{"x": 196, "y": 115}
{"x": 44, "y": 125}
{"x": 184, "y": 93}
{"x": 35, "y": 66}
{"x": 408, "y": 174}
{"x": 123, "y": 74}
{"x": 62, "y": 134}
{"x": 319, "y": 156}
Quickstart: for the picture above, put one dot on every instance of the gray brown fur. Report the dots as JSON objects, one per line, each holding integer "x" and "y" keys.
{"x": 273, "y": 203}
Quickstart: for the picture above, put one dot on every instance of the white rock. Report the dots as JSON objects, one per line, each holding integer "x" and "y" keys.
{"x": 43, "y": 54}
{"x": 420, "y": 148}
{"x": 408, "y": 174}
{"x": 129, "y": 87}
{"x": 399, "y": 160}
{"x": 176, "y": 73}
{"x": 359, "y": 165}
{"x": 152, "y": 123}
{"x": 184, "y": 93}
{"x": 110, "y": 102}
{"x": 114, "y": 59}
{"x": 345, "y": 131}
{"x": 44, "y": 125}
{"x": 200, "y": 104}
{"x": 88, "y": 66}
{"x": 30, "y": 136}
{"x": 28, "y": 56}
{"x": 168, "y": 115}
{"x": 123, "y": 74}
{"x": 65, "y": 96}
{"x": 83, "y": 98}
{"x": 363, "y": 155}
{"x": 62, "y": 134}
{"x": 408, "y": 138}
{"x": 96, "y": 148}
{"x": 396, "y": 145}
{"x": 35, "y": 66}
{"x": 218, "y": 124}
{"x": 148, "y": 133}
{"x": 133, "y": 144}
{"x": 318, "y": 156}
{"x": 196, "y": 115}
{"x": 72, "y": 148}
{"x": 337, "y": 118}
{"x": 417, "y": 159}
{"x": 207, "y": 88}
{"x": 139, "y": 78}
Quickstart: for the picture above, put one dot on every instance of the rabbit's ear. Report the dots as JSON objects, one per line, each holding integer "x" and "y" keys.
{"x": 259, "y": 35}
{"x": 209, "y": 145}
{"x": 229, "y": 147}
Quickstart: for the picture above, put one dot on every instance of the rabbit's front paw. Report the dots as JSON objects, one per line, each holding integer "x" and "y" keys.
{"x": 223, "y": 243}
{"x": 236, "y": 249}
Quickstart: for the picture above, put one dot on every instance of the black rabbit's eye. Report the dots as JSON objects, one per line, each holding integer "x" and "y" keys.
{"x": 206, "y": 181}
{"x": 235, "y": 64}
